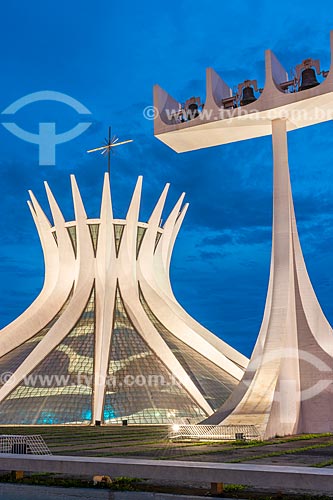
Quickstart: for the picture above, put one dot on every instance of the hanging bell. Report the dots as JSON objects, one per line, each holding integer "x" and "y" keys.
{"x": 192, "y": 111}
{"x": 247, "y": 96}
{"x": 309, "y": 79}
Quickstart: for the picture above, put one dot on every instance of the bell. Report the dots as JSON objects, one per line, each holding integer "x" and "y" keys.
{"x": 192, "y": 111}
{"x": 309, "y": 79}
{"x": 248, "y": 96}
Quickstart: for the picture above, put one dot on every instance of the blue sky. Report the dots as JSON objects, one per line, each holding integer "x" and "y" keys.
{"x": 108, "y": 55}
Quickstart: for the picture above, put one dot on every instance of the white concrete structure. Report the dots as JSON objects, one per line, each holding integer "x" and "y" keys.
{"x": 106, "y": 340}
{"x": 288, "y": 385}
{"x": 217, "y": 125}
{"x": 276, "y": 477}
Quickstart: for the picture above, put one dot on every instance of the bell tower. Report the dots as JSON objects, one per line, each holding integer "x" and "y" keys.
{"x": 287, "y": 386}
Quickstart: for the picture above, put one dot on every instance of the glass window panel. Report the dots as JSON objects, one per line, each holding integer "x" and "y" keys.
{"x": 118, "y": 234}
{"x": 94, "y": 231}
{"x": 72, "y": 233}
{"x": 140, "y": 234}
{"x": 13, "y": 359}
{"x": 55, "y": 236}
{"x": 213, "y": 382}
{"x": 140, "y": 388}
{"x": 158, "y": 237}
{"x": 59, "y": 390}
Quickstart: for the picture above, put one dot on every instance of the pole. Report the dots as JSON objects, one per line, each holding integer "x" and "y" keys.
{"x": 109, "y": 152}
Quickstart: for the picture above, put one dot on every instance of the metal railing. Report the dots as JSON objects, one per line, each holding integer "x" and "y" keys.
{"x": 23, "y": 445}
{"x": 214, "y": 432}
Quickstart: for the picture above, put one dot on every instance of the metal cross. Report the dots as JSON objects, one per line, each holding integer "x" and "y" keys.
{"x": 107, "y": 148}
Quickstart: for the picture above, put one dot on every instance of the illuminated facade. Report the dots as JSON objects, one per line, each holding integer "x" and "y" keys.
{"x": 106, "y": 340}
